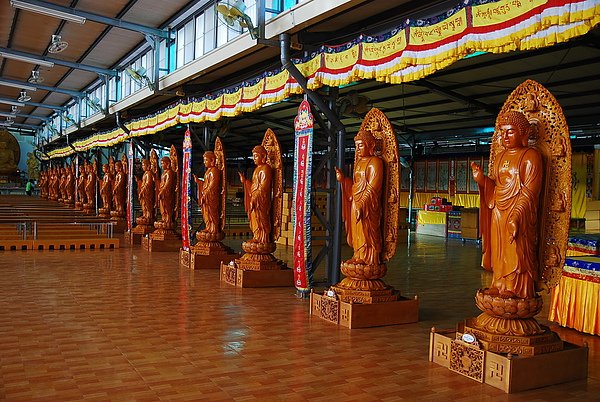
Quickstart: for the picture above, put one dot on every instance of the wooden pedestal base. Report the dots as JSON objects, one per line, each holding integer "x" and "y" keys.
{"x": 545, "y": 342}
{"x": 119, "y": 225}
{"x": 132, "y": 238}
{"x": 355, "y": 315}
{"x": 150, "y": 244}
{"x": 244, "y": 278}
{"x": 195, "y": 259}
{"x": 507, "y": 372}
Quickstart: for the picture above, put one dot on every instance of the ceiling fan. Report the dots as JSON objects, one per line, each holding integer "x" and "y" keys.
{"x": 94, "y": 104}
{"x": 57, "y": 45}
{"x": 232, "y": 14}
{"x": 35, "y": 78}
{"x": 69, "y": 119}
{"x": 140, "y": 77}
{"x": 354, "y": 105}
{"x": 24, "y": 97}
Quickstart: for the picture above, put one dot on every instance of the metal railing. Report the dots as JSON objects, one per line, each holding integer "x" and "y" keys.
{"x": 29, "y": 230}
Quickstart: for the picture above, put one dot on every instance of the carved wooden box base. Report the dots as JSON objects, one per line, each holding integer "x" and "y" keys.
{"x": 510, "y": 374}
{"x": 195, "y": 260}
{"x": 519, "y": 345}
{"x": 119, "y": 226}
{"x": 132, "y": 238}
{"x": 355, "y": 315}
{"x": 243, "y": 278}
{"x": 156, "y": 245}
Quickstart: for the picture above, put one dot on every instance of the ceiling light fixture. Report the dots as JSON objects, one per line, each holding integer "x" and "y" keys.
{"x": 47, "y": 11}
{"x": 17, "y": 85}
{"x": 26, "y": 59}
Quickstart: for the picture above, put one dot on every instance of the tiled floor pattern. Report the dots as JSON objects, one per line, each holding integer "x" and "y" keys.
{"x": 127, "y": 325}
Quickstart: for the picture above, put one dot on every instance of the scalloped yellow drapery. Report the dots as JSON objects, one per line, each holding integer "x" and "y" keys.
{"x": 404, "y": 54}
{"x": 575, "y": 304}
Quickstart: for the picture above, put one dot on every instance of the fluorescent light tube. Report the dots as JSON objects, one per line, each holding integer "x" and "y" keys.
{"x": 47, "y": 11}
{"x": 14, "y": 103}
{"x": 27, "y": 59}
{"x": 17, "y": 85}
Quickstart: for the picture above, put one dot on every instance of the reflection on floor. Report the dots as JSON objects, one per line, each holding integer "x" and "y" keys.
{"x": 128, "y": 325}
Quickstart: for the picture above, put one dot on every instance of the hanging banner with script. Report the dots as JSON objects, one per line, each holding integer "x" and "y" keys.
{"x": 186, "y": 177}
{"x": 303, "y": 126}
{"x": 76, "y": 195}
{"x": 130, "y": 162}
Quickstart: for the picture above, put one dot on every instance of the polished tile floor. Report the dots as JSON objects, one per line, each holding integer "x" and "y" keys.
{"x": 126, "y": 325}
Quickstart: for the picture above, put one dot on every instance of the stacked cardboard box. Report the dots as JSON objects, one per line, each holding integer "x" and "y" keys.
{"x": 438, "y": 204}
{"x": 454, "y": 225}
{"x": 317, "y": 228}
{"x": 469, "y": 222}
{"x": 592, "y": 216}
{"x": 287, "y": 230}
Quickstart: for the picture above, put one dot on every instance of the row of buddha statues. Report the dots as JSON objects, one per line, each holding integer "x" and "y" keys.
{"x": 523, "y": 228}
{"x": 62, "y": 184}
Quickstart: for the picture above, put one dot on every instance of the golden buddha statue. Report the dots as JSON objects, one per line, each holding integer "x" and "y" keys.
{"x": 146, "y": 195}
{"x": 210, "y": 192}
{"x": 8, "y": 160}
{"x": 167, "y": 193}
{"x": 258, "y": 196}
{"x": 362, "y": 201}
{"x": 510, "y": 240}
{"x": 524, "y": 214}
{"x": 106, "y": 189}
{"x": 370, "y": 208}
{"x": 81, "y": 196}
{"x": 90, "y": 187}
{"x": 263, "y": 197}
{"x": 119, "y": 191}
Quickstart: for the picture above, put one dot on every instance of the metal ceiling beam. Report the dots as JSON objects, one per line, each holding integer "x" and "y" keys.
{"x": 74, "y": 94}
{"x": 26, "y": 116}
{"x": 28, "y": 103}
{"x": 102, "y": 19}
{"x": 454, "y": 96}
{"x": 78, "y": 66}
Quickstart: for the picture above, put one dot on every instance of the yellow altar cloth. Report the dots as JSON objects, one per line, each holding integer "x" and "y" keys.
{"x": 431, "y": 218}
{"x": 575, "y": 303}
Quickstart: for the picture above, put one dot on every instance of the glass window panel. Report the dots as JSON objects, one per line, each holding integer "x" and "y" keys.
{"x": 189, "y": 42}
{"x": 209, "y": 29}
{"x": 199, "y": 47}
{"x": 222, "y": 29}
{"x": 180, "y": 47}
{"x": 163, "y": 65}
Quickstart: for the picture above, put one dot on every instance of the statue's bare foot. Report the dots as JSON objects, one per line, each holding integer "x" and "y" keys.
{"x": 491, "y": 291}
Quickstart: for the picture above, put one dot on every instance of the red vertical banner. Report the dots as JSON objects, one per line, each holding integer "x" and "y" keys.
{"x": 186, "y": 178}
{"x": 130, "y": 161}
{"x": 76, "y": 196}
{"x": 303, "y": 126}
